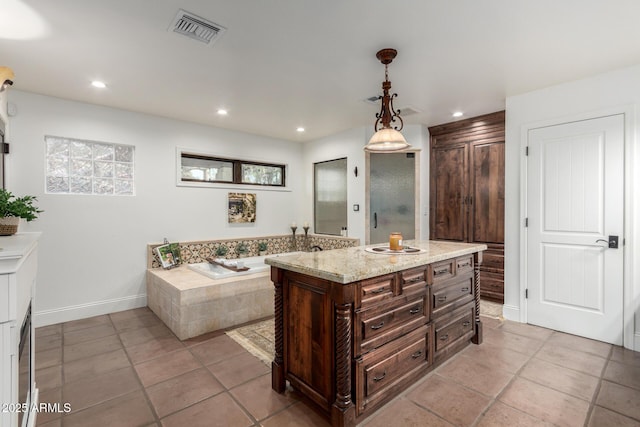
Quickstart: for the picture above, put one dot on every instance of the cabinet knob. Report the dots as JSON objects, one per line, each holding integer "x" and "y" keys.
{"x": 414, "y": 310}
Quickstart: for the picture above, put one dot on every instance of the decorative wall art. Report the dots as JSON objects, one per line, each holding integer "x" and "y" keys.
{"x": 242, "y": 207}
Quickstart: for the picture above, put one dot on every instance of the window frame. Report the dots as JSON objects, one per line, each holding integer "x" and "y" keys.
{"x": 236, "y": 171}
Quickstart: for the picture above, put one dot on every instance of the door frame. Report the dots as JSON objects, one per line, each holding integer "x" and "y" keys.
{"x": 367, "y": 192}
{"x": 631, "y": 338}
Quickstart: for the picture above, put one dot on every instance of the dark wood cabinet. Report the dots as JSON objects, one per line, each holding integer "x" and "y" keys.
{"x": 351, "y": 347}
{"x": 467, "y": 191}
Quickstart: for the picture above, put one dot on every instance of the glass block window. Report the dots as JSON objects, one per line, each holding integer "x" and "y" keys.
{"x": 88, "y": 167}
{"x": 200, "y": 168}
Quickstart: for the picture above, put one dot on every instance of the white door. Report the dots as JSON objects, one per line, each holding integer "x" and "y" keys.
{"x": 575, "y": 202}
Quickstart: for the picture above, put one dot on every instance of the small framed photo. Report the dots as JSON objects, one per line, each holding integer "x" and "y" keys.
{"x": 242, "y": 207}
{"x": 169, "y": 255}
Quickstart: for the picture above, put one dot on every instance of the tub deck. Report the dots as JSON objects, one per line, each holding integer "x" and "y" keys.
{"x": 192, "y": 304}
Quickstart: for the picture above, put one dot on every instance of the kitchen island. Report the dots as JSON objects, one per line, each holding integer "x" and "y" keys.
{"x": 353, "y": 327}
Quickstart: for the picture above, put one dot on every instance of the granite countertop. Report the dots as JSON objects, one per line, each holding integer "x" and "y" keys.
{"x": 353, "y": 264}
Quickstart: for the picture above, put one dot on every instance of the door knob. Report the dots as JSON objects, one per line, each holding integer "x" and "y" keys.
{"x": 612, "y": 242}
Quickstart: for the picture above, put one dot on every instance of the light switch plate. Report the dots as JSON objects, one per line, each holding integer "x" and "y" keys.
{"x": 356, "y": 208}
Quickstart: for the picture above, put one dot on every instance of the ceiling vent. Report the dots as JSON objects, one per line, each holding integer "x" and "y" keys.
{"x": 196, "y": 28}
{"x": 408, "y": 111}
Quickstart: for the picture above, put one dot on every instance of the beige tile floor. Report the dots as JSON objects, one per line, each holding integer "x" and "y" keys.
{"x": 128, "y": 369}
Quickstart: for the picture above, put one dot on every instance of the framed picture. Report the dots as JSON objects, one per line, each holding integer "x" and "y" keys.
{"x": 242, "y": 207}
{"x": 169, "y": 255}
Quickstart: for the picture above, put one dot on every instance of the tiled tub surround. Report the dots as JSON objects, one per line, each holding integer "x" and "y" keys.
{"x": 191, "y": 304}
{"x": 199, "y": 251}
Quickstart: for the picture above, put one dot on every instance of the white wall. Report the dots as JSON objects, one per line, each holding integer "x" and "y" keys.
{"x": 592, "y": 97}
{"x": 350, "y": 144}
{"x": 93, "y": 248}
{"x": 3, "y": 108}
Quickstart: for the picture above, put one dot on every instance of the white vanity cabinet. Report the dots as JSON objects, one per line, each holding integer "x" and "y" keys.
{"x": 18, "y": 268}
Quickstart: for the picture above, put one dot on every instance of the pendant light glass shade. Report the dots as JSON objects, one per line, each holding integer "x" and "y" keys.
{"x": 386, "y": 139}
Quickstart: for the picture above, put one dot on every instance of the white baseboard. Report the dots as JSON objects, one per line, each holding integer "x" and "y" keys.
{"x": 636, "y": 342}
{"x": 511, "y": 312}
{"x": 82, "y": 311}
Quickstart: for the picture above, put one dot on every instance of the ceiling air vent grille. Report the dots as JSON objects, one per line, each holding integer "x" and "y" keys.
{"x": 196, "y": 28}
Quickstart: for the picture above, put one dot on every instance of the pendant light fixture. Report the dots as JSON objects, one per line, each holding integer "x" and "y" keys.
{"x": 387, "y": 138}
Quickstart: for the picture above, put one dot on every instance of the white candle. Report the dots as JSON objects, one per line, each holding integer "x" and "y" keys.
{"x": 293, "y": 224}
{"x": 306, "y": 224}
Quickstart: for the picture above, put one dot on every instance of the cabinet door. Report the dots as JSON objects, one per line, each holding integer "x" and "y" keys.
{"x": 486, "y": 222}
{"x": 448, "y": 192}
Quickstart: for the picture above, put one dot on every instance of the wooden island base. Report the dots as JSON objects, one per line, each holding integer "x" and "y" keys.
{"x": 350, "y": 346}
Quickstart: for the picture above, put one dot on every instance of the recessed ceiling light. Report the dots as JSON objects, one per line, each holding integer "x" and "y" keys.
{"x": 457, "y": 114}
{"x": 222, "y": 112}
{"x": 300, "y": 129}
{"x": 98, "y": 84}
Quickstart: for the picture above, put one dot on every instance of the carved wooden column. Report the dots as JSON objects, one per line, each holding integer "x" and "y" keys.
{"x": 343, "y": 409}
{"x": 278, "y": 383}
{"x": 477, "y": 261}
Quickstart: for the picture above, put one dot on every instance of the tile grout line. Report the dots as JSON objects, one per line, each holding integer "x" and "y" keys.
{"x": 516, "y": 375}
{"x": 596, "y": 392}
{"x": 143, "y": 388}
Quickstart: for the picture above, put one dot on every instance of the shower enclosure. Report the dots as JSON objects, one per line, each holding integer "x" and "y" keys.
{"x": 393, "y": 196}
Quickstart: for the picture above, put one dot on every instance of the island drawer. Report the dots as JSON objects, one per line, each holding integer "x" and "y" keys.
{"x": 451, "y": 294}
{"x": 459, "y": 325}
{"x": 464, "y": 265}
{"x": 389, "y": 366}
{"x": 381, "y": 325}
{"x": 413, "y": 280}
{"x": 376, "y": 290}
{"x": 443, "y": 271}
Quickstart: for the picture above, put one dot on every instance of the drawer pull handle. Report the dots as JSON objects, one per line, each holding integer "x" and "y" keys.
{"x": 442, "y": 298}
{"x": 414, "y": 310}
{"x": 465, "y": 289}
{"x": 444, "y": 337}
{"x": 384, "y": 374}
{"x": 414, "y": 280}
{"x": 378, "y": 326}
{"x": 466, "y": 264}
{"x": 416, "y": 354}
{"x": 442, "y": 271}
{"x": 465, "y": 324}
{"x": 378, "y": 291}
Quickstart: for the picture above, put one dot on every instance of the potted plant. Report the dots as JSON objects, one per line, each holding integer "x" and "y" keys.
{"x": 221, "y": 251}
{"x": 242, "y": 250}
{"x": 262, "y": 248}
{"x": 13, "y": 208}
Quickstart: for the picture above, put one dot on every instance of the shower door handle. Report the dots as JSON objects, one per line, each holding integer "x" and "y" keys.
{"x": 375, "y": 220}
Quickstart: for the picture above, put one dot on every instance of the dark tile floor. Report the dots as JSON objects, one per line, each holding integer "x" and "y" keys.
{"x": 128, "y": 369}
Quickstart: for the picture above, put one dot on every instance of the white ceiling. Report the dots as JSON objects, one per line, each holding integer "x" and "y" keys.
{"x": 288, "y": 63}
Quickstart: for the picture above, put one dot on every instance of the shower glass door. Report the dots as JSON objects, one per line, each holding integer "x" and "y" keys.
{"x": 392, "y": 196}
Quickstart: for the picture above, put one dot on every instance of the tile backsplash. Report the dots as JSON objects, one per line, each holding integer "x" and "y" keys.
{"x": 195, "y": 252}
